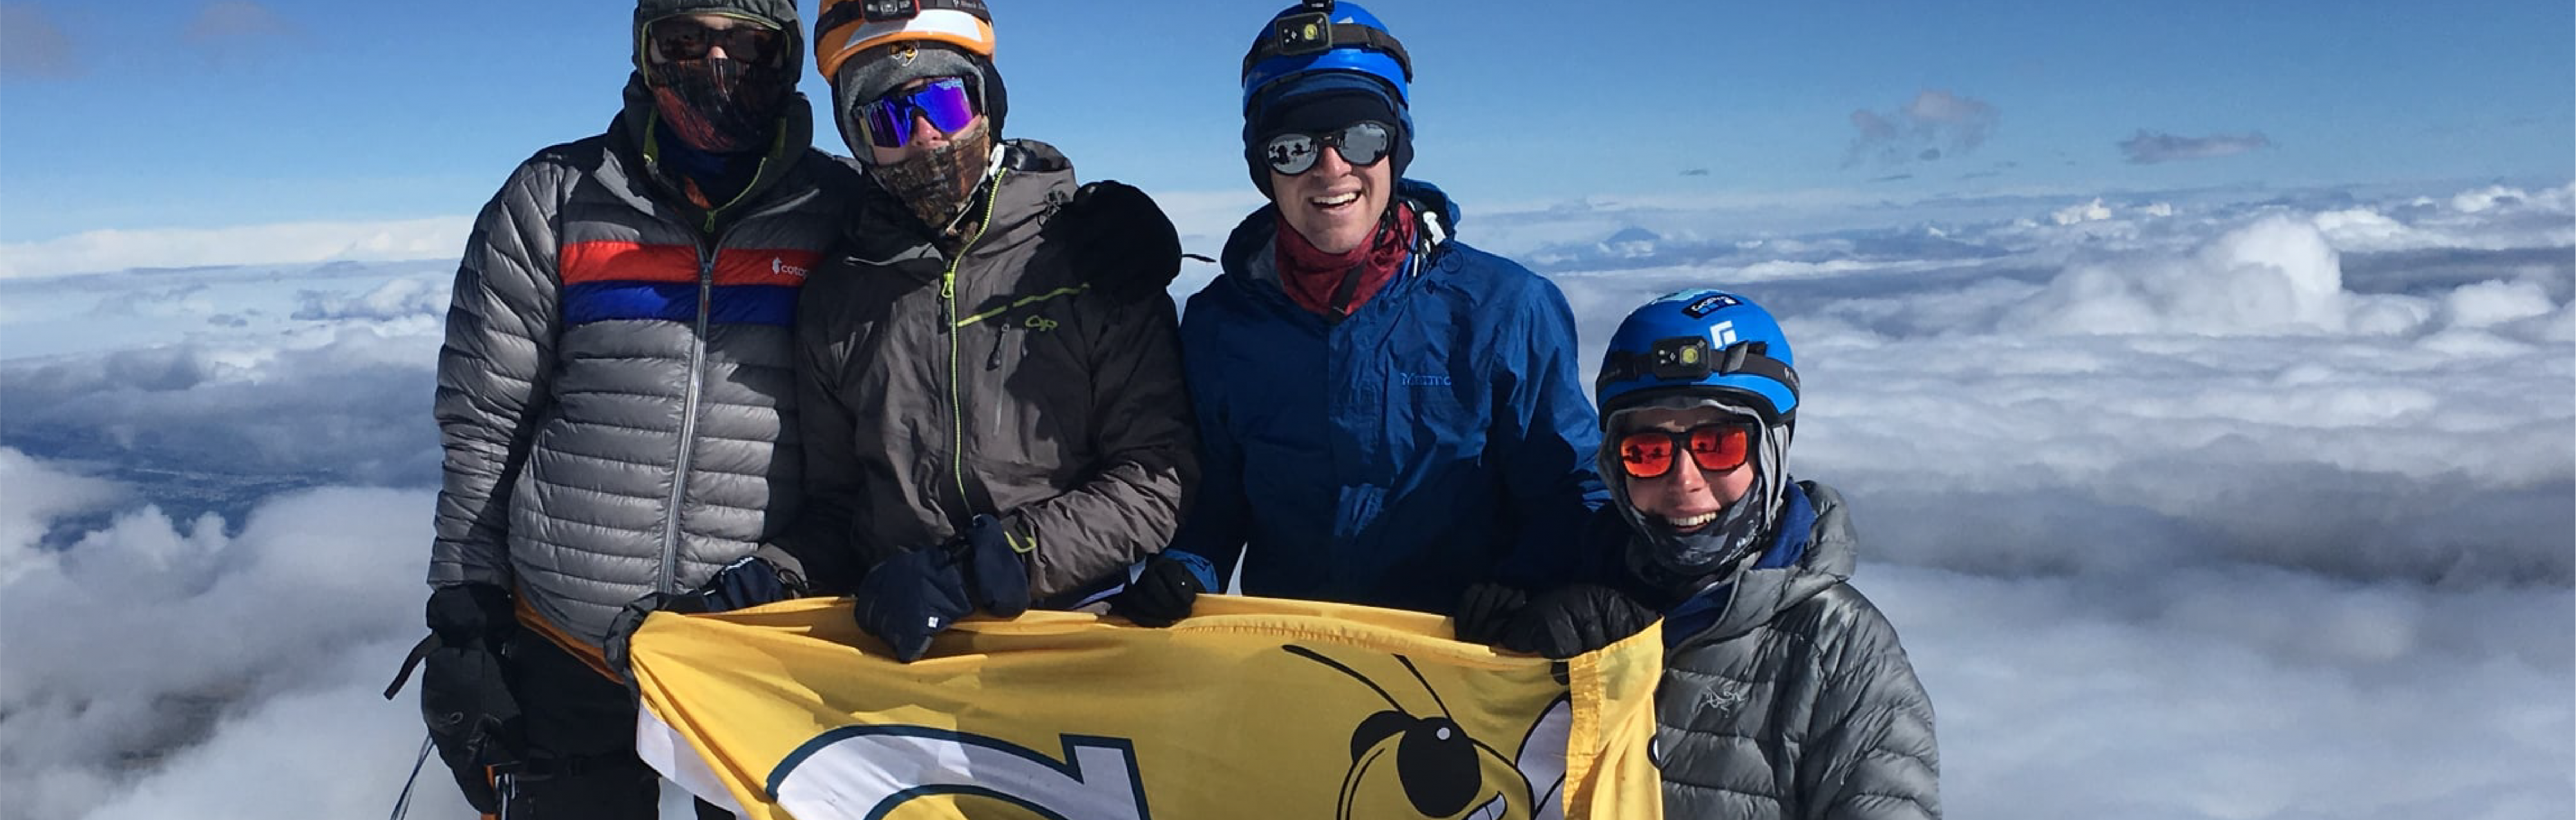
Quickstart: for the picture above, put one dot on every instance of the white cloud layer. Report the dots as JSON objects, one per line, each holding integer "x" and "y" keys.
{"x": 2188, "y": 505}
{"x": 173, "y": 664}
{"x": 305, "y": 242}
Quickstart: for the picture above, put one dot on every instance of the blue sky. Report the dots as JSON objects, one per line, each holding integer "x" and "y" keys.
{"x": 164, "y": 114}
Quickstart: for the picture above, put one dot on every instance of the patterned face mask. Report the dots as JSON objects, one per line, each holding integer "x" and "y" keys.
{"x": 720, "y": 104}
{"x": 938, "y": 183}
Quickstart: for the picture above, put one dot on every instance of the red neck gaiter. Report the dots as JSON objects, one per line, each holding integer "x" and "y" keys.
{"x": 1315, "y": 280}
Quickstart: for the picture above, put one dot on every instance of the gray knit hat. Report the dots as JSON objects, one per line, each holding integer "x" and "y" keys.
{"x": 872, "y": 74}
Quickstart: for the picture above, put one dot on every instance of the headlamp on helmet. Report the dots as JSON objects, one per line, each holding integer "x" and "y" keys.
{"x": 1697, "y": 342}
{"x": 1691, "y": 360}
{"x": 887, "y": 11}
{"x": 1309, "y": 32}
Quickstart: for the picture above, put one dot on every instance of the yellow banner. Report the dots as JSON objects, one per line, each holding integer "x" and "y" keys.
{"x": 1253, "y": 708}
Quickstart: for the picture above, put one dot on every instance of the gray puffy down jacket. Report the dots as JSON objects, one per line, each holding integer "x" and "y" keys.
{"x": 1798, "y": 702}
{"x": 616, "y": 392}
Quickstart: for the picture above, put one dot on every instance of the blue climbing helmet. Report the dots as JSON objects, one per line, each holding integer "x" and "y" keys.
{"x": 1329, "y": 60}
{"x": 1690, "y": 349}
{"x": 1325, "y": 36}
{"x": 1700, "y": 342}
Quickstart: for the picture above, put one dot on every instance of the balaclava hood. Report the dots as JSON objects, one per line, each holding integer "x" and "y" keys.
{"x": 721, "y": 105}
{"x": 1683, "y": 562}
{"x": 872, "y": 74}
{"x": 939, "y": 185}
{"x": 936, "y": 185}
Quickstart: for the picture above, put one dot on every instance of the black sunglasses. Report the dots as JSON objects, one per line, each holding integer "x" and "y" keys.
{"x": 681, "y": 38}
{"x": 1361, "y": 144}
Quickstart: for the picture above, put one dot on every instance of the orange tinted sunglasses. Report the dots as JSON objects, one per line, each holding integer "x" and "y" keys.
{"x": 1714, "y": 447}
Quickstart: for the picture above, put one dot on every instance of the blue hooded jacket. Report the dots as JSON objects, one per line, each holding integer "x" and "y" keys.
{"x": 1438, "y": 437}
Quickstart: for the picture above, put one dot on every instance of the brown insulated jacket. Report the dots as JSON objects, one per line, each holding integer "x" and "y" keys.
{"x": 935, "y": 387}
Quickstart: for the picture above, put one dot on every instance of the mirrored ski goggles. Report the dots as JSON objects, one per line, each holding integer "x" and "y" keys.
{"x": 948, "y": 103}
{"x": 1361, "y": 144}
{"x": 682, "y": 38}
{"x": 1714, "y": 447}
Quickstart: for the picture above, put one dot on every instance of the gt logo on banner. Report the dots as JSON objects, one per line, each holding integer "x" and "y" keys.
{"x": 840, "y": 770}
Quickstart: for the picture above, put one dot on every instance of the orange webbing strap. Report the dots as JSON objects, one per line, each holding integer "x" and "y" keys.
{"x": 589, "y": 655}
{"x": 494, "y": 778}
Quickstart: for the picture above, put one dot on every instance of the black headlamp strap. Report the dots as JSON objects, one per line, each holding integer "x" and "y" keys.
{"x": 1748, "y": 358}
{"x": 882, "y": 11}
{"x": 1329, "y": 37}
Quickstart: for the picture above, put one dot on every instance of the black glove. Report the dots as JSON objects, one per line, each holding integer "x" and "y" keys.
{"x": 911, "y": 597}
{"x": 621, "y": 630}
{"x": 751, "y": 581}
{"x": 1165, "y": 591}
{"x": 997, "y": 581}
{"x": 1118, "y": 240}
{"x": 464, "y": 696}
{"x": 471, "y": 615}
{"x": 1563, "y": 623}
{"x": 1485, "y": 609}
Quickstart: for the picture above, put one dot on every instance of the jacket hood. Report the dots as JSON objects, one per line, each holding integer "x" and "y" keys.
{"x": 1246, "y": 250}
{"x": 1760, "y": 594}
{"x": 781, "y": 13}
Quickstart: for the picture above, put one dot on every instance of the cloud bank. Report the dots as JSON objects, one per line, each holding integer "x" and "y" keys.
{"x": 2249, "y": 504}
{"x": 305, "y": 242}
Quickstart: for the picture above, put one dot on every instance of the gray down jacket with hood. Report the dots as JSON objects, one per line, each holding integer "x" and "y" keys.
{"x": 615, "y": 396}
{"x": 1797, "y": 702}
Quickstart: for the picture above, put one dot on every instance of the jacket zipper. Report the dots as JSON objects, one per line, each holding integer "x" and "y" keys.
{"x": 668, "y": 579}
{"x": 948, "y": 298}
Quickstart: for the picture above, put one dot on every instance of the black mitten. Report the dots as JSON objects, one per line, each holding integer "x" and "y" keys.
{"x": 997, "y": 580}
{"x": 1485, "y": 609}
{"x": 621, "y": 630}
{"x": 1120, "y": 242}
{"x": 909, "y": 598}
{"x": 1563, "y": 623}
{"x": 465, "y": 698}
{"x": 1165, "y": 591}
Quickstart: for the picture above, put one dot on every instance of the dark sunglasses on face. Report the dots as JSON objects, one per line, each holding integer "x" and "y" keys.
{"x": 1714, "y": 447}
{"x": 681, "y": 38}
{"x": 1361, "y": 144}
{"x": 947, "y": 103}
